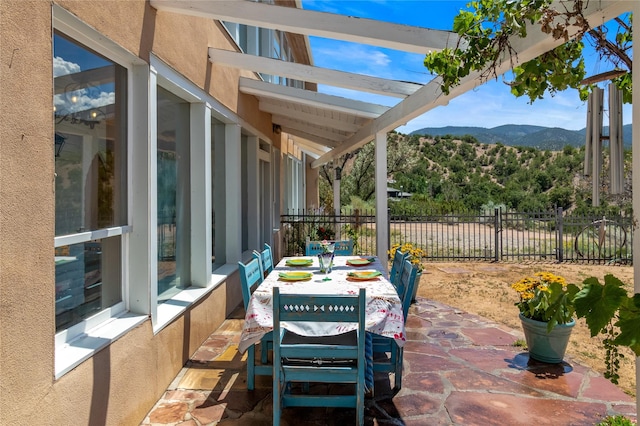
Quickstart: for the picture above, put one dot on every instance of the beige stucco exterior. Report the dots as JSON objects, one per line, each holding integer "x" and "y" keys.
{"x": 119, "y": 384}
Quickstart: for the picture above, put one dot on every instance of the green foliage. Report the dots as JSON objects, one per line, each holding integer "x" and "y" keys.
{"x": 546, "y": 297}
{"x": 450, "y": 175}
{"x": 489, "y": 25}
{"x": 606, "y": 308}
{"x": 557, "y": 70}
{"x": 618, "y": 420}
{"x": 609, "y": 311}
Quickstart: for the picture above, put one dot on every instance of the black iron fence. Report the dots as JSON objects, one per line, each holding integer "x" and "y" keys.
{"x": 495, "y": 236}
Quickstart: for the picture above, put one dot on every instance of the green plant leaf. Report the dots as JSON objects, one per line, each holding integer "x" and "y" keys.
{"x": 629, "y": 324}
{"x": 598, "y": 303}
{"x": 560, "y": 309}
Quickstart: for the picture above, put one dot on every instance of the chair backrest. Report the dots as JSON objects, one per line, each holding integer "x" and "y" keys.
{"x": 318, "y": 308}
{"x": 250, "y": 274}
{"x": 341, "y": 248}
{"x": 312, "y": 248}
{"x": 266, "y": 259}
{"x": 398, "y": 260}
{"x": 405, "y": 286}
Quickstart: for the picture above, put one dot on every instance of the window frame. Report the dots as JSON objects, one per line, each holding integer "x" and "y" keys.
{"x": 141, "y": 240}
{"x": 80, "y": 341}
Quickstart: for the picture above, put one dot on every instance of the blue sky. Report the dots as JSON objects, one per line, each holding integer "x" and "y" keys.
{"x": 489, "y": 105}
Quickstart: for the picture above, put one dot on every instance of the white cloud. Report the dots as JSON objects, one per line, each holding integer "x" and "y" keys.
{"x": 62, "y": 67}
{"x": 80, "y": 99}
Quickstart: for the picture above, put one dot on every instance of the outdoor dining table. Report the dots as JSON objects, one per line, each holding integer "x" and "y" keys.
{"x": 384, "y": 315}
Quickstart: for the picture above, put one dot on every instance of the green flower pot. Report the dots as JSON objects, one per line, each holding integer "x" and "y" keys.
{"x": 543, "y": 346}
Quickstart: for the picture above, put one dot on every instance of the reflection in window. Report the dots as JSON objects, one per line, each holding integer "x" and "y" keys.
{"x": 80, "y": 274}
{"x": 173, "y": 194}
{"x": 90, "y": 186}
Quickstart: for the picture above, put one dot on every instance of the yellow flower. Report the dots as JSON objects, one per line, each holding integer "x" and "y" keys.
{"x": 415, "y": 253}
{"x": 537, "y": 292}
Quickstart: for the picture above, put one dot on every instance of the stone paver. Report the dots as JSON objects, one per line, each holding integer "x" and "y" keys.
{"x": 459, "y": 369}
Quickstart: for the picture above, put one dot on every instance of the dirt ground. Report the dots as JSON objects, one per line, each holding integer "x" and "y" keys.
{"x": 485, "y": 289}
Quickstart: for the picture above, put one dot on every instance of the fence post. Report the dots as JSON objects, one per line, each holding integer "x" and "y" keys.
{"x": 559, "y": 236}
{"x": 496, "y": 224}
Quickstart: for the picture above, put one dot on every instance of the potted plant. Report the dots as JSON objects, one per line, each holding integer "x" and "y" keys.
{"x": 607, "y": 309}
{"x": 415, "y": 257}
{"x": 547, "y": 314}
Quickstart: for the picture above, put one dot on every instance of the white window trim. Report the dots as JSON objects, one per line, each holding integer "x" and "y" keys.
{"x": 98, "y": 234}
{"x": 80, "y": 342}
{"x": 204, "y": 280}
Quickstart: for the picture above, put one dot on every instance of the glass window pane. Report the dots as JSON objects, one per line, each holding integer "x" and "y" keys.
{"x": 244, "y": 193}
{"x": 90, "y": 139}
{"x": 173, "y": 194}
{"x": 84, "y": 286}
{"x": 90, "y": 146}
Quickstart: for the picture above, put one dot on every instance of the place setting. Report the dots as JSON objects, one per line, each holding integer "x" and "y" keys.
{"x": 363, "y": 275}
{"x": 299, "y": 262}
{"x": 361, "y": 261}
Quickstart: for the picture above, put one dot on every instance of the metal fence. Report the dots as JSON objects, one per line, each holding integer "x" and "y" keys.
{"x": 496, "y": 236}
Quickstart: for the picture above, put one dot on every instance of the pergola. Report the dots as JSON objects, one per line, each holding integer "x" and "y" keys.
{"x": 330, "y": 126}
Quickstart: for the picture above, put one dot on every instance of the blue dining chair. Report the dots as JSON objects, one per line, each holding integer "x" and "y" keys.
{"x": 396, "y": 266}
{"x": 382, "y": 346}
{"x": 343, "y": 248}
{"x": 335, "y": 359}
{"x": 266, "y": 259}
{"x": 250, "y": 276}
{"x": 312, "y": 248}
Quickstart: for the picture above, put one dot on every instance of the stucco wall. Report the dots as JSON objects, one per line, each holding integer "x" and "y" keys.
{"x": 26, "y": 207}
{"x": 120, "y": 383}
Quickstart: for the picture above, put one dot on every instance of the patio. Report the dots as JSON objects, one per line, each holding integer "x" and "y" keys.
{"x": 460, "y": 369}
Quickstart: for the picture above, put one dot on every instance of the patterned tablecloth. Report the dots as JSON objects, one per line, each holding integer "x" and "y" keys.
{"x": 384, "y": 309}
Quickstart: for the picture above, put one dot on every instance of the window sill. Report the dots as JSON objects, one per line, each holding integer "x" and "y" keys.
{"x": 71, "y": 354}
{"x": 174, "y": 307}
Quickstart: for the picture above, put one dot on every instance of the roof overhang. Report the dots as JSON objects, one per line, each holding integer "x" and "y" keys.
{"x": 332, "y": 126}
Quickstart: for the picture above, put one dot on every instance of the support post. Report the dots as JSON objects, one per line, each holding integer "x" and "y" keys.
{"x": 382, "y": 235}
{"x": 336, "y": 201}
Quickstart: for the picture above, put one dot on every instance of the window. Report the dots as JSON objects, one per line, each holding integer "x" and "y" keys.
{"x": 263, "y": 42}
{"x": 173, "y": 194}
{"x": 90, "y": 148}
{"x": 244, "y": 194}
{"x": 294, "y": 184}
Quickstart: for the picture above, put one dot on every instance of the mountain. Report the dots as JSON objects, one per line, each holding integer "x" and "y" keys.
{"x": 550, "y": 138}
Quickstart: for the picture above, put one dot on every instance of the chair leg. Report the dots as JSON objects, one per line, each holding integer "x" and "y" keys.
{"x": 277, "y": 396}
{"x": 264, "y": 352}
{"x": 398, "y": 364}
{"x": 368, "y": 355}
{"x": 360, "y": 390}
{"x": 251, "y": 374}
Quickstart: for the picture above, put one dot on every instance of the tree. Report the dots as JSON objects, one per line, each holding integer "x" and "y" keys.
{"x": 358, "y": 168}
{"x": 486, "y": 30}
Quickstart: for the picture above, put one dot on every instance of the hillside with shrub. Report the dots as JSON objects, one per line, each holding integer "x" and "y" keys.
{"x": 455, "y": 174}
{"x": 544, "y": 138}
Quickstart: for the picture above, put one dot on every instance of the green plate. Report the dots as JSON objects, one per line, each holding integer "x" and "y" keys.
{"x": 359, "y": 262}
{"x": 295, "y": 276}
{"x": 364, "y": 275}
{"x": 299, "y": 262}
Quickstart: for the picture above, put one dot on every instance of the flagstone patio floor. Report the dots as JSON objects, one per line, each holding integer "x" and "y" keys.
{"x": 459, "y": 369}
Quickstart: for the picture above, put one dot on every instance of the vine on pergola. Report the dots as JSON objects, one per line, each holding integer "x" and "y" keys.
{"x": 486, "y": 30}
